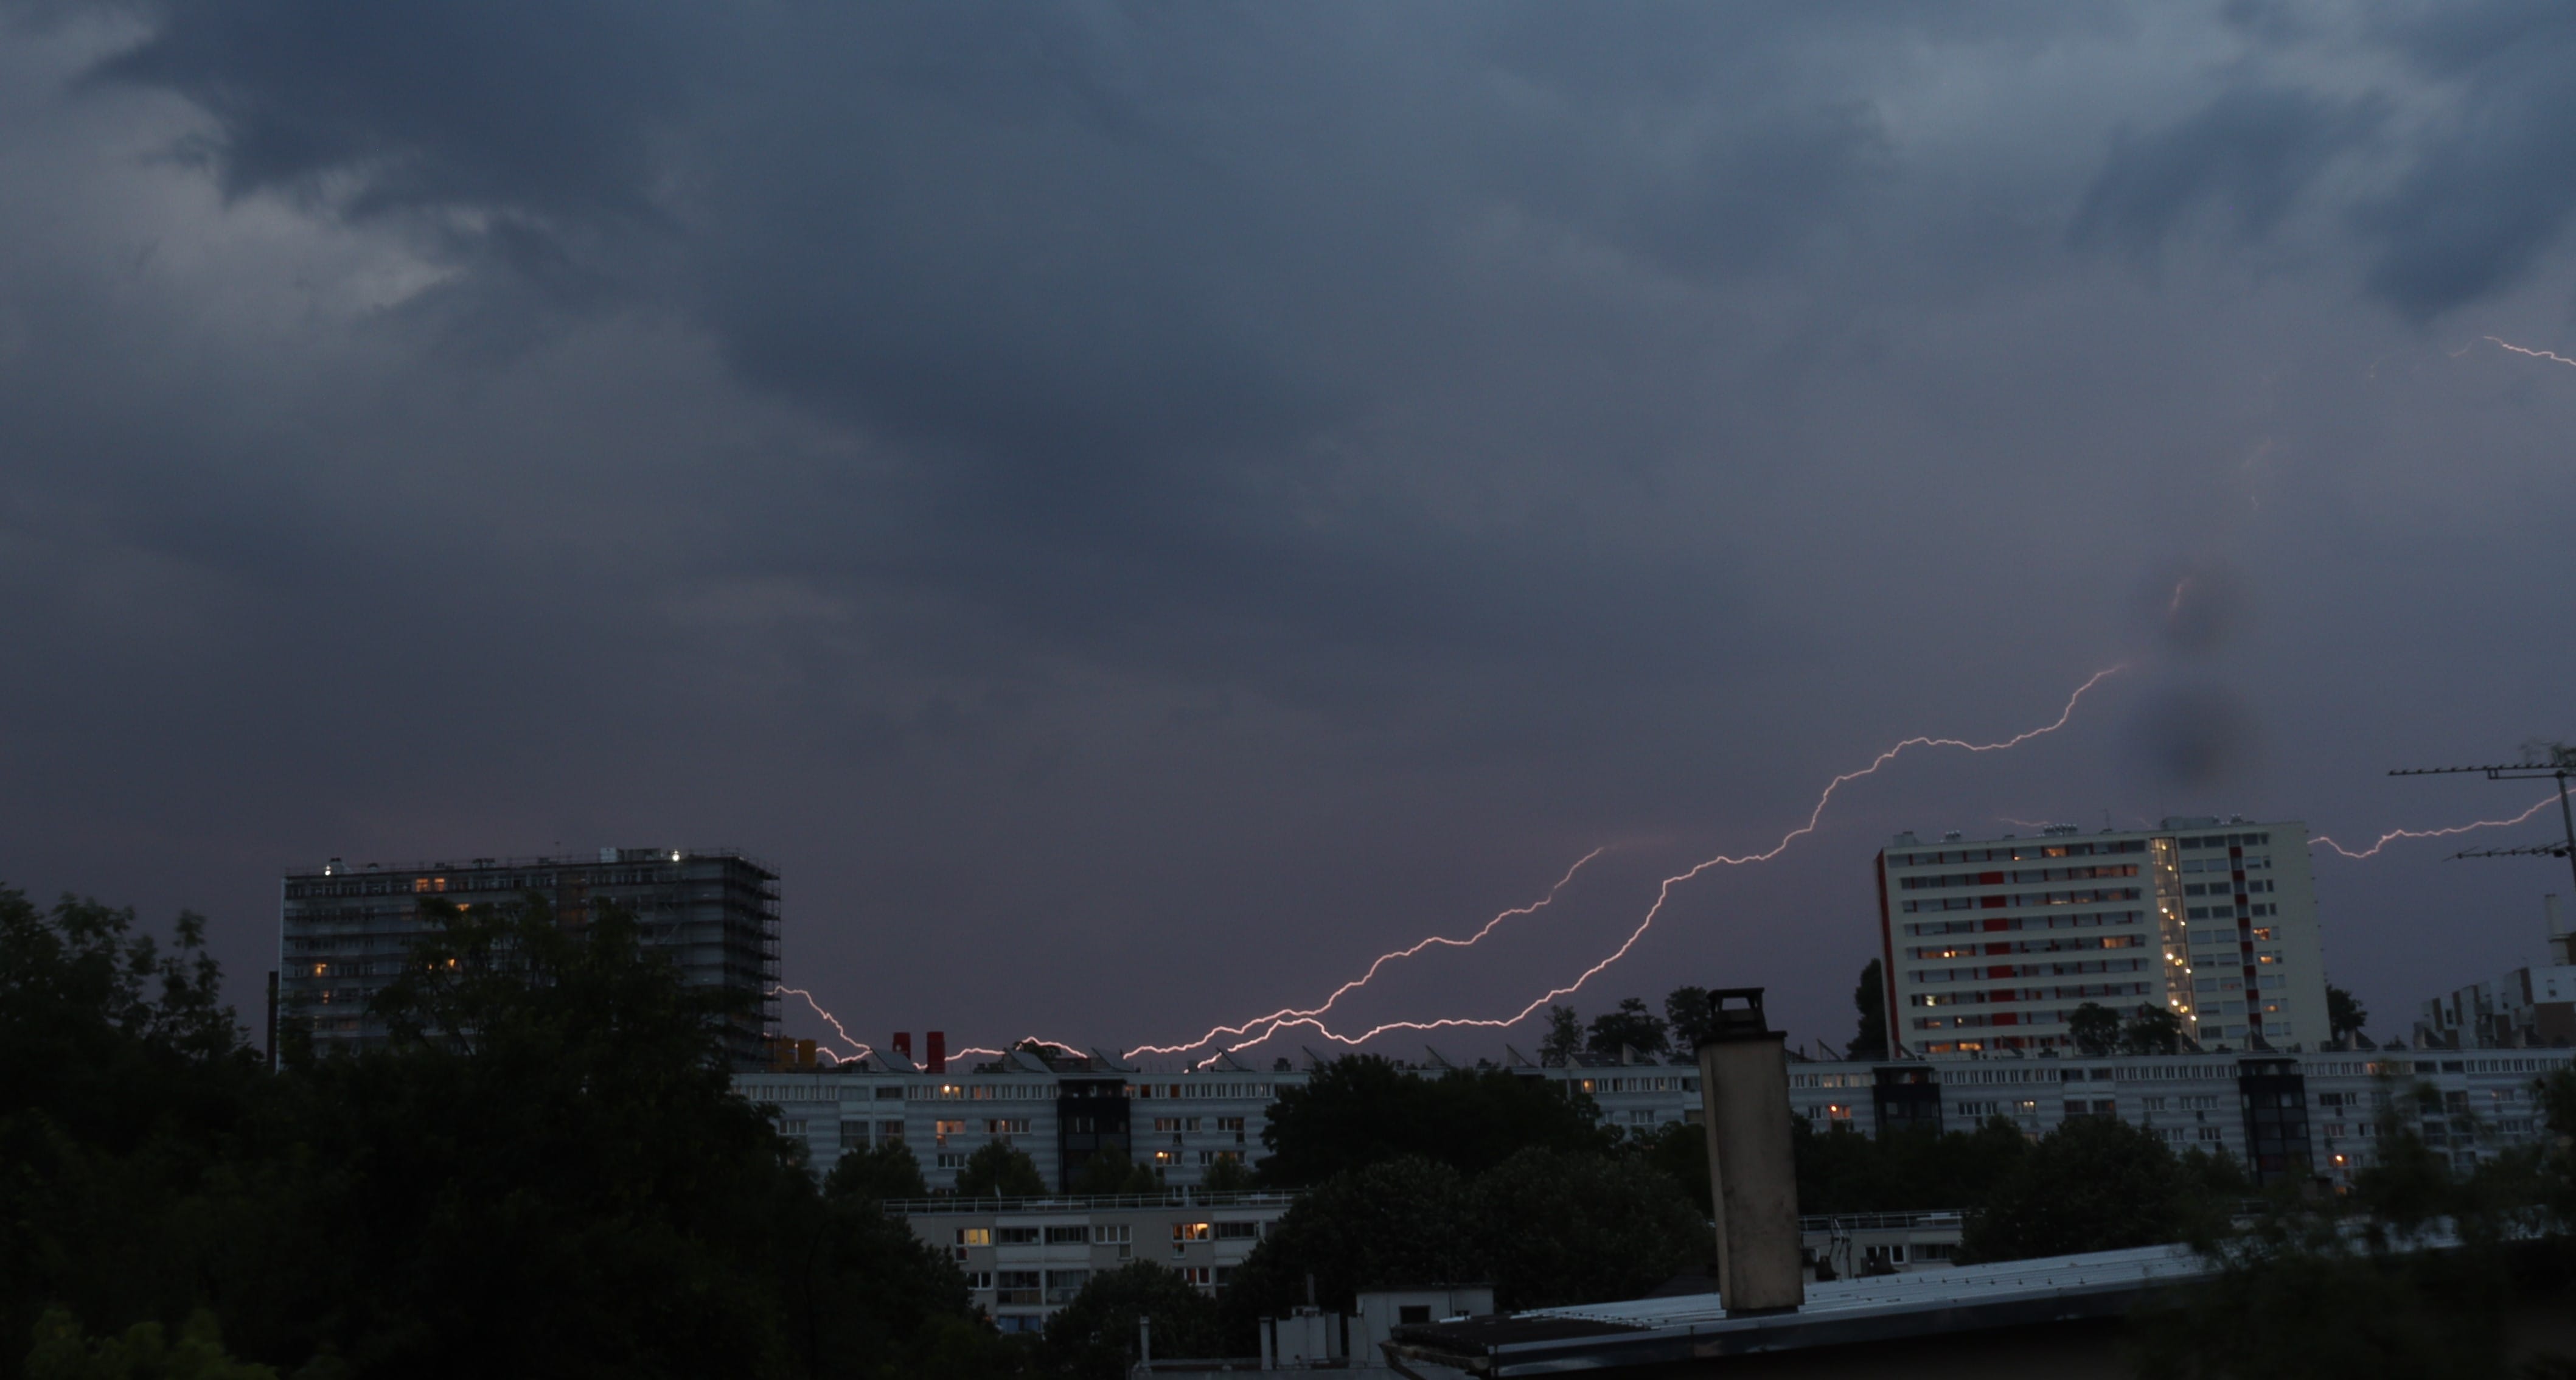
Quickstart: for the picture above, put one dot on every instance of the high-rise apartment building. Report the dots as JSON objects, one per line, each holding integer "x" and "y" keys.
{"x": 1991, "y": 944}
{"x": 345, "y": 931}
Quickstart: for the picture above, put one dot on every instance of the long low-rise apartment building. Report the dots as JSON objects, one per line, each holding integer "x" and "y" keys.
{"x": 2286, "y": 1116}
{"x": 1062, "y": 1109}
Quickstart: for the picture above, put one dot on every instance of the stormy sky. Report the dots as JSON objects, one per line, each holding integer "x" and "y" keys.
{"x": 1135, "y": 510}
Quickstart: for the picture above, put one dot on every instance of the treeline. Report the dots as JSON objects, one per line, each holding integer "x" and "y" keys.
{"x": 548, "y": 1173}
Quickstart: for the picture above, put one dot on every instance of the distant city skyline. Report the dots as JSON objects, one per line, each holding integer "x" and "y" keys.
{"x": 1138, "y": 512}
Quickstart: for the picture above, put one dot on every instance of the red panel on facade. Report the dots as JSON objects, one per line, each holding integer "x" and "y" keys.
{"x": 1991, "y": 902}
{"x": 1999, "y": 948}
{"x": 2004, "y": 970}
{"x": 2008, "y": 1018}
{"x": 1996, "y": 923}
{"x": 1990, "y": 879}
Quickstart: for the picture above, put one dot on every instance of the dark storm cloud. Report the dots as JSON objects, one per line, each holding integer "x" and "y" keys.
{"x": 1136, "y": 505}
{"x": 2491, "y": 188}
{"x": 2456, "y": 206}
{"x": 2246, "y": 157}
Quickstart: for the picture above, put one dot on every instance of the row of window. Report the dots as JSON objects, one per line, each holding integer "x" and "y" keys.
{"x": 2072, "y": 920}
{"x": 2224, "y": 888}
{"x": 2251, "y": 862}
{"x": 2060, "y": 945}
{"x": 2018, "y": 852}
{"x": 1982, "y": 972}
{"x": 2265, "y": 909}
{"x": 1941, "y": 880}
{"x": 2076, "y": 992}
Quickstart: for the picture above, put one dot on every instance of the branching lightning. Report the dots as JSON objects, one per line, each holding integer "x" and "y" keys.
{"x": 1268, "y": 1027}
{"x": 2395, "y": 834}
{"x": 1291, "y": 1015}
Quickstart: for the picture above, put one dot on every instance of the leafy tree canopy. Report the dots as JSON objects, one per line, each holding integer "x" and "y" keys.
{"x": 997, "y": 1170}
{"x": 1361, "y": 1110}
{"x": 1110, "y": 1172}
{"x": 1095, "y": 1337}
{"x": 2345, "y": 1015}
{"x": 1632, "y": 1025}
{"x": 1564, "y": 1037}
{"x": 876, "y": 1173}
{"x": 548, "y": 1163}
{"x": 1565, "y": 1227}
{"x": 2153, "y": 1030}
{"x": 2095, "y": 1029}
{"x": 1692, "y": 1021}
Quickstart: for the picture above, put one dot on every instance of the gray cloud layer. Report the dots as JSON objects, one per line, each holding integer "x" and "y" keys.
{"x": 1139, "y": 508}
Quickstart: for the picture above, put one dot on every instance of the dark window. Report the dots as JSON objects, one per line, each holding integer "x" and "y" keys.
{"x": 1407, "y": 1314}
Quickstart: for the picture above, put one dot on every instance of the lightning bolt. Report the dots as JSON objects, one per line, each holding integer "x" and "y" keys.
{"x": 2025, "y": 823}
{"x": 1274, "y": 1020}
{"x": 2395, "y": 834}
{"x": 1269, "y": 1027}
{"x": 860, "y": 1049}
{"x": 2535, "y": 354}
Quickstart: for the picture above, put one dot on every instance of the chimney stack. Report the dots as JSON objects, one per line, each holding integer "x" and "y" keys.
{"x": 1744, "y": 1101}
{"x": 935, "y": 1047}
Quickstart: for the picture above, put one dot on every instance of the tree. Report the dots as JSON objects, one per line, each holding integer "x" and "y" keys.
{"x": 548, "y": 1163}
{"x": 1678, "y": 1150}
{"x": 1870, "y": 997}
{"x": 1564, "y": 1037}
{"x": 1841, "y": 1170}
{"x": 1401, "y": 1221}
{"x": 1109, "y": 1173}
{"x": 2095, "y": 1029}
{"x": 875, "y": 1173}
{"x": 2154, "y": 1030}
{"x": 1565, "y": 1227}
{"x": 999, "y": 1169}
{"x": 2345, "y": 1015}
{"x": 1361, "y": 1110}
{"x": 145, "y": 1352}
{"x": 1632, "y": 1025}
{"x": 1688, "y": 1010}
{"x": 1095, "y": 1336}
{"x": 2095, "y": 1183}
{"x": 1227, "y": 1175}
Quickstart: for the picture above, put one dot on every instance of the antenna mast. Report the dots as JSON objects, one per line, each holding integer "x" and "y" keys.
{"x": 2560, "y": 766}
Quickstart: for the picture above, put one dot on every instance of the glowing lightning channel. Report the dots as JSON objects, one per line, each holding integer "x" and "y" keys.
{"x": 862, "y": 1048}
{"x": 2395, "y": 834}
{"x": 2535, "y": 354}
{"x": 1294, "y": 1015}
{"x": 834, "y": 1021}
{"x": 1269, "y": 1028}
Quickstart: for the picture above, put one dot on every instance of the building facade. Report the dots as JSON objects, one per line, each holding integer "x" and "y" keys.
{"x": 2530, "y": 1007}
{"x": 1062, "y": 1109}
{"x": 345, "y": 932}
{"x": 2285, "y": 1116}
{"x": 1990, "y": 945}
{"x": 1024, "y": 1258}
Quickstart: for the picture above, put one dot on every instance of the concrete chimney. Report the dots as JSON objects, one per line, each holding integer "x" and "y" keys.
{"x": 1744, "y": 1103}
{"x": 935, "y": 1051}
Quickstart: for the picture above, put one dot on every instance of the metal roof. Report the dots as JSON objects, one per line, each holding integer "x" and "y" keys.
{"x": 1653, "y": 1331}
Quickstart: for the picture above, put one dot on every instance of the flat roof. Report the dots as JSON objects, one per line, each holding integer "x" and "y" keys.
{"x": 1656, "y": 1331}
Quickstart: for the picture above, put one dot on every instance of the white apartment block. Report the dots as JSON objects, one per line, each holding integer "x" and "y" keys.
{"x": 2293, "y": 1116}
{"x": 1063, "y": 1109}
{"x": 1991, "y": 944}
{"x": 2526, "y": 1008}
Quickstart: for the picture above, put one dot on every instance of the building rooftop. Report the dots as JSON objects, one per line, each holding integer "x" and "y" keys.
{"x": 1654, "y": 1331}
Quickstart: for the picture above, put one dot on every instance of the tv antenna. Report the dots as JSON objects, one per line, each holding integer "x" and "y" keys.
{"x": 2559, "y": 766}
